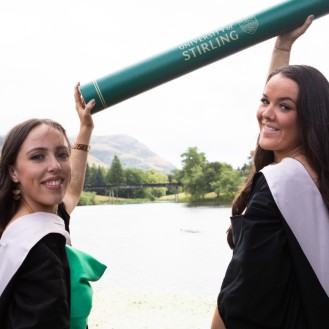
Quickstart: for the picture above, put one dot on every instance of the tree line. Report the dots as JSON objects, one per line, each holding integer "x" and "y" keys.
{"x": 198, "y": 176}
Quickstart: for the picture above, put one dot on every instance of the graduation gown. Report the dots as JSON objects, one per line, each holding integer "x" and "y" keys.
{"x": 278, "y": 276}
{"x": 34, "y": 273}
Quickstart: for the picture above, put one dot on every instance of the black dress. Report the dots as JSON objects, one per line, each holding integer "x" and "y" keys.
{"x": 38, "y": 294}
{"x": 269, "y": 282}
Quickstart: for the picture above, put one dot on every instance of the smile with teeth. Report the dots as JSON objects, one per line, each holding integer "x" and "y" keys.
{"x": 268, "y": 128}
{"x": 53, "y": 183}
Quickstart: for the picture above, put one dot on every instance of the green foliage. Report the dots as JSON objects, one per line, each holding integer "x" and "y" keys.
{"x": 115, "y": 174}
{"x": 192, "y": 158}
{"x": 193, "y": 173}
{"x": 88, "y": 175}
{"x": 87, "y": 199}
{"x": 199, "y": 178}
{"x": 99, "y": 177}
{"x": 213, "y": 172}
{"x": 153, "y": 177}
{"x": 174, "y": 177}
{"x": 135, "y": 176}
{"x": 216, "y": 186}
{"x": 246, "y": 168}
{"x": 228, "y": 184}
{"x": 95, "y": 176}
{"x": 195, "y": 184}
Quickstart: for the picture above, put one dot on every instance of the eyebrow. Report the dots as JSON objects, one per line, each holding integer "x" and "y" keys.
{"x": 286, "y": 98}
{"x": 36, "y": 149}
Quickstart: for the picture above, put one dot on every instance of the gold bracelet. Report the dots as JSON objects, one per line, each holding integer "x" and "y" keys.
{"x": 81, "y": 147}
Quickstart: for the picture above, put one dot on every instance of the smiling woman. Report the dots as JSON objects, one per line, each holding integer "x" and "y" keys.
{"x": 33, "y": 237}
{"x": 39, "y": 271}
{"x": 278, "y": 273}
{"x": 42, "y": 168}
{"x": 277, "y": 118}
{"x": 34, "y": 151}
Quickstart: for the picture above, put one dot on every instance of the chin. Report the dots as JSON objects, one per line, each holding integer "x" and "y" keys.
{"x": 265, "y": 147}
{"x": 54, "y": 202}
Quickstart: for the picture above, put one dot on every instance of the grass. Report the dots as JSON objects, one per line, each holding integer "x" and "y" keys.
{"x": 210, "y": 199}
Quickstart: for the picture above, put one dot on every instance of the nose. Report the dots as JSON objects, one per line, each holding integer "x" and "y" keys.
{"x": 54, "y": 165}
{"x": 268, "y": 112}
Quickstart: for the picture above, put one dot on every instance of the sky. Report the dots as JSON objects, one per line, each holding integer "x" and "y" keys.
{"x": 48, "y": 46}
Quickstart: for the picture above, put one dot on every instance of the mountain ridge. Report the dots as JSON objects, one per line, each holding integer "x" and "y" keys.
{"x": 131, "y": 153}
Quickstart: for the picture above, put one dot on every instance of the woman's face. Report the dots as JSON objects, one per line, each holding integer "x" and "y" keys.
{"x": 43, "y": 168}
{"x": 277, "y": 117}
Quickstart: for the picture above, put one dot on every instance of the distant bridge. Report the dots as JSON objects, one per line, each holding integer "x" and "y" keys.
{"x": 122, "y": 186}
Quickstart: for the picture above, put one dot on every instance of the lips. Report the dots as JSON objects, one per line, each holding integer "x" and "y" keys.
{"x": 267, "y": 128}
{"x": 53, "y": 183}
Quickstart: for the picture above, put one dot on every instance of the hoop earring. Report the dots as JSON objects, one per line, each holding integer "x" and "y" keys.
{"x": 16, "y": 193}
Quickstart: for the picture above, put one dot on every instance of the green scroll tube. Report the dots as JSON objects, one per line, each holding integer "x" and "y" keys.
{"x": 201, "y": 51}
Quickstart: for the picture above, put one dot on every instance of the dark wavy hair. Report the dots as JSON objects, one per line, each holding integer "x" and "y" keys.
{"x": 12, "y": 145}
{"x": 313, "y": 122}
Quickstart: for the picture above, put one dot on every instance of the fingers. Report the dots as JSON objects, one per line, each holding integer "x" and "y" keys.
{"x": 79, "y": 99}
{"x": 77, "y": 95}
{"x": 286, "y": 40}
{"x": 306, "y": 24}
{"x": 90, "y": 105}
{"x": 77, "y": 91}
{"x": 295, "y": 34}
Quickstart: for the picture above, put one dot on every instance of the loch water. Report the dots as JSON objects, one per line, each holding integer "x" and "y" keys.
{"x": 169, "y": 246}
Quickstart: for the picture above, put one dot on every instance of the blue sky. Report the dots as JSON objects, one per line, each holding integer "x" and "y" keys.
{"x": 48, "y": 46}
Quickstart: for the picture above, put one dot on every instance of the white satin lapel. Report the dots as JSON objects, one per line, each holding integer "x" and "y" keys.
{"x": 21, "y": 236}
{"x": 302, "y": 206}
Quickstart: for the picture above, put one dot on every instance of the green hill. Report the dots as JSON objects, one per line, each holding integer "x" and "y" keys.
{"x": 131, "y": 153}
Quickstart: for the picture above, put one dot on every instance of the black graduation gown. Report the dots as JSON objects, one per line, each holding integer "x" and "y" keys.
{"x": 269, "y": 282}
{"x": 38, "y": 294}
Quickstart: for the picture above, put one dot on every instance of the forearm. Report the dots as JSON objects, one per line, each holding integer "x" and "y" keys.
{"x": 283, "y": 45}
{"x": 280, "y": 58}
{"x": 78, "y": 163}
{"x": 79, "y": 155}
{"x": 217, "y": 322}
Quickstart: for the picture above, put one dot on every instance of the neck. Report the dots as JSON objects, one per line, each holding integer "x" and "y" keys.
{"x": 296, "y": 153}
{"x": 25, "y": 205}
{"x": 278, "y": 157}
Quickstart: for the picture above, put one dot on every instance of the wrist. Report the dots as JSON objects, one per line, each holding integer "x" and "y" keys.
{"x": 84, "y": 135}
{"x": 86, "y": 127}
{"x": 282, "y": 49}
{"x": 80, "y": 147}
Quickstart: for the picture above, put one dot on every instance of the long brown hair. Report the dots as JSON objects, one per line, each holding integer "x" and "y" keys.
{"x": 11, "y": 147}
{"x": 313, "y": 121}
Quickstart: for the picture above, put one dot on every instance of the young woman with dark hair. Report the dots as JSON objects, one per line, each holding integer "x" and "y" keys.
{"x": 278, "y": 276}
{"x": 40, "y": 272}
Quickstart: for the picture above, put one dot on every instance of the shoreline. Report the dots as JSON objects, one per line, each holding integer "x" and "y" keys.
{"x": 115, "y": 308}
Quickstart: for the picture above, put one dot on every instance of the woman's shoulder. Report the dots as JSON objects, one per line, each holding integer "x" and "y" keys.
{"x": 288, "y": 167}
{"x": 288, "y": 173}
{"x": 259, "y": 182}
{"x": 51, "y": 241}
{"x": 31, "y": 228}
{"x": 49, "y": 249}
{"x": 39, "y": 230}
